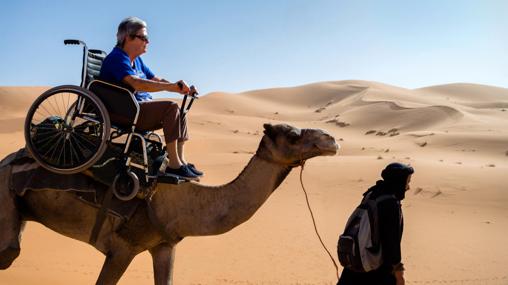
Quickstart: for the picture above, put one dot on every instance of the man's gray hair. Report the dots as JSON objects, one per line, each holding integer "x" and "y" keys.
{"x": 128, "y": 27}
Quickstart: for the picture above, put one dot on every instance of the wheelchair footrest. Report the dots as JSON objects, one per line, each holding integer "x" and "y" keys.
{"x": 170, "y": 179}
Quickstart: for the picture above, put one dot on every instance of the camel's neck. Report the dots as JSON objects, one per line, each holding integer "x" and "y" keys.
{"x": 205, "y": 210}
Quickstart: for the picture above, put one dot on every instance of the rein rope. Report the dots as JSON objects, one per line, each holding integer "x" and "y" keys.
{"x": 302, "y": 164}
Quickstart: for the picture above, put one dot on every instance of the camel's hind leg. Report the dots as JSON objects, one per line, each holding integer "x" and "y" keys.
{"x": 10, "y": 224}
{"x": 118, "y": 259}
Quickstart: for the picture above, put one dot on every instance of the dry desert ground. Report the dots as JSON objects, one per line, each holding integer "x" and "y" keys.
{"x": 456, "y": 213}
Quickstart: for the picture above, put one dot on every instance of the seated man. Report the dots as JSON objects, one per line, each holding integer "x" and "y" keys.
{"x": 124, "y": 66}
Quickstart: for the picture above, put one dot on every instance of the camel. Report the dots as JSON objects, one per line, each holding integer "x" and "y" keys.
{"x": 174, "y": 212}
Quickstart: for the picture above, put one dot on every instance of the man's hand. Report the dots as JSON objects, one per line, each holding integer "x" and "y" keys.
{"x": 193, "y": 91}
{"x": 399, "y": 277}
{"x": 183, "y": 88}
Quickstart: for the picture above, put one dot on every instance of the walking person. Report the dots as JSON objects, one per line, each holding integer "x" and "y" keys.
{"x": 385, "y": 197}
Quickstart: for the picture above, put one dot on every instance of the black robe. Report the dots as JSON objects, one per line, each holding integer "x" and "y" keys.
{"x": 390, "y": 234}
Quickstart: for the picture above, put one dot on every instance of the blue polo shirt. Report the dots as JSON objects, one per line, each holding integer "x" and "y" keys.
{"x": 117, "y": 65}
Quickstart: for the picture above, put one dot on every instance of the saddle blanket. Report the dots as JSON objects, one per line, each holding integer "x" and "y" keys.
{"x": 28, "y": 175}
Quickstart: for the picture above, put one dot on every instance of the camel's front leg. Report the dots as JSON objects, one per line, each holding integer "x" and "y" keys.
{"x": 163, "y": 257}
{"x": 116, "y": 263}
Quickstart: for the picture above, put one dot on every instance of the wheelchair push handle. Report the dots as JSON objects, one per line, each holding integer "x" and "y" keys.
{"x": 193, "y": 94}
{"x": 73, "y": 42}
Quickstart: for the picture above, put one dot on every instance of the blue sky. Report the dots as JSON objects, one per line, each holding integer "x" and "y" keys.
{"x": 243, "y": 45}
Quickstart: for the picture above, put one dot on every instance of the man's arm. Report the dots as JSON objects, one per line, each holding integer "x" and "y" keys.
{"x": 155, "y": 78}
{"x": 156, "y": 85}
{"x": 390, "y": 233}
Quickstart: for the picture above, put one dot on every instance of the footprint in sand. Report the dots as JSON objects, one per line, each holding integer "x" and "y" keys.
{"x": 374, "y": 131}
{"x": 393, "y": 132}
{"x": 423, "y": 144}
{"x": 338, "y": 123}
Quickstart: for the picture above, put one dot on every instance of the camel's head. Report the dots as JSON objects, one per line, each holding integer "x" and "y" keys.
{"x": 285, "y": 144}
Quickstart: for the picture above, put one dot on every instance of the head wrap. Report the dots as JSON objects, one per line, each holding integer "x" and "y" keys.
{"x": 395, "y": 177}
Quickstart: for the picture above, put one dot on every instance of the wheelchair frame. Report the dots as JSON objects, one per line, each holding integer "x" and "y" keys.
{"x": 92, "y": 61}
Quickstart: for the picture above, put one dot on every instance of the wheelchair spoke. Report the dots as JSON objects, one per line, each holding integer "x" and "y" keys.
{"x": 62, "y": 99}
{"x": 81, "y": 148}
{"x": 44, "y": 109}
{"x": 75, "y": 153}
{"x": 58, "y": 99}
{"x": 52, "y": 106}
{"x": 87, "y": 140}
{"x": 62, "y": 150}
{"x": 56, "y": 148}
{"x": 53, "y": 149}
{"x": 49, "y": 142}
{"x": 47, "y": 139}
{"x": 67, "y": 105}
{"x": 45, "y": 128}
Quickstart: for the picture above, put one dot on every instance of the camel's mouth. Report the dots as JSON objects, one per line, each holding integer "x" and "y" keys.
{"x": 330, "y": 148}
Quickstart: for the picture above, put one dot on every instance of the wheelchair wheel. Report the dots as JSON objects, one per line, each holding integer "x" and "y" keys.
{"x": 125, "y": 185}
{"x": 67, "y": 129}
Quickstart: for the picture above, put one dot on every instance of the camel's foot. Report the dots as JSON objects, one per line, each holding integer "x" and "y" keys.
{"x": 8, "y": 256}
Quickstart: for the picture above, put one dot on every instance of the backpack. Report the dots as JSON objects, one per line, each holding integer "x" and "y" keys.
{"x": 358, "y": 247}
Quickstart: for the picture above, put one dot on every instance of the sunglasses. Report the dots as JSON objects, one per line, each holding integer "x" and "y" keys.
{"x": 141, "y": 37}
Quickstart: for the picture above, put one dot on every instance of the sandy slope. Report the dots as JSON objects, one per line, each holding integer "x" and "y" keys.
{"x": 456, "y": 214}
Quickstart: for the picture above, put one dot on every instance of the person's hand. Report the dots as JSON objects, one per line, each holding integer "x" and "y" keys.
{"x": 183, "y": 88}
{"x": 399, "y": 278}
{"x": 193, "y": 91}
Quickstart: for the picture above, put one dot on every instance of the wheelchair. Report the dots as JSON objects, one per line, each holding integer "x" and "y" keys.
{"x": 69, "y": 128}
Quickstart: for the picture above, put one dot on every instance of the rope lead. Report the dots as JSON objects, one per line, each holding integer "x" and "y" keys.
{"x": 302, "y": 164}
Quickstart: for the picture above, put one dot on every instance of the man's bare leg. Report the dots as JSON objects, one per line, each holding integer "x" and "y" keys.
{"x": 181, "y": 155}
{"x": 174, "y": 159}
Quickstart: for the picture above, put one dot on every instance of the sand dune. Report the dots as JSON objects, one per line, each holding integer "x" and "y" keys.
{"x": 15, "y": 101}
{"x": 456, "y": 214}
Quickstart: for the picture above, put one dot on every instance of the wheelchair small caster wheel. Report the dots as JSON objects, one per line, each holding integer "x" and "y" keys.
{"x": 125, "y": 185}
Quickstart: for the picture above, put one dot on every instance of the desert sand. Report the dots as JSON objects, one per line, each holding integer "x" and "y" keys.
{"x": 456, "y": 213}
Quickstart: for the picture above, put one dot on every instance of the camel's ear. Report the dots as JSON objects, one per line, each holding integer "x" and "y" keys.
{"x": 269, "y": 131}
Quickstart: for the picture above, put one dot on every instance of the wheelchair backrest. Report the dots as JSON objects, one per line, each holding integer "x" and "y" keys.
{"x": 94, "y": 59}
